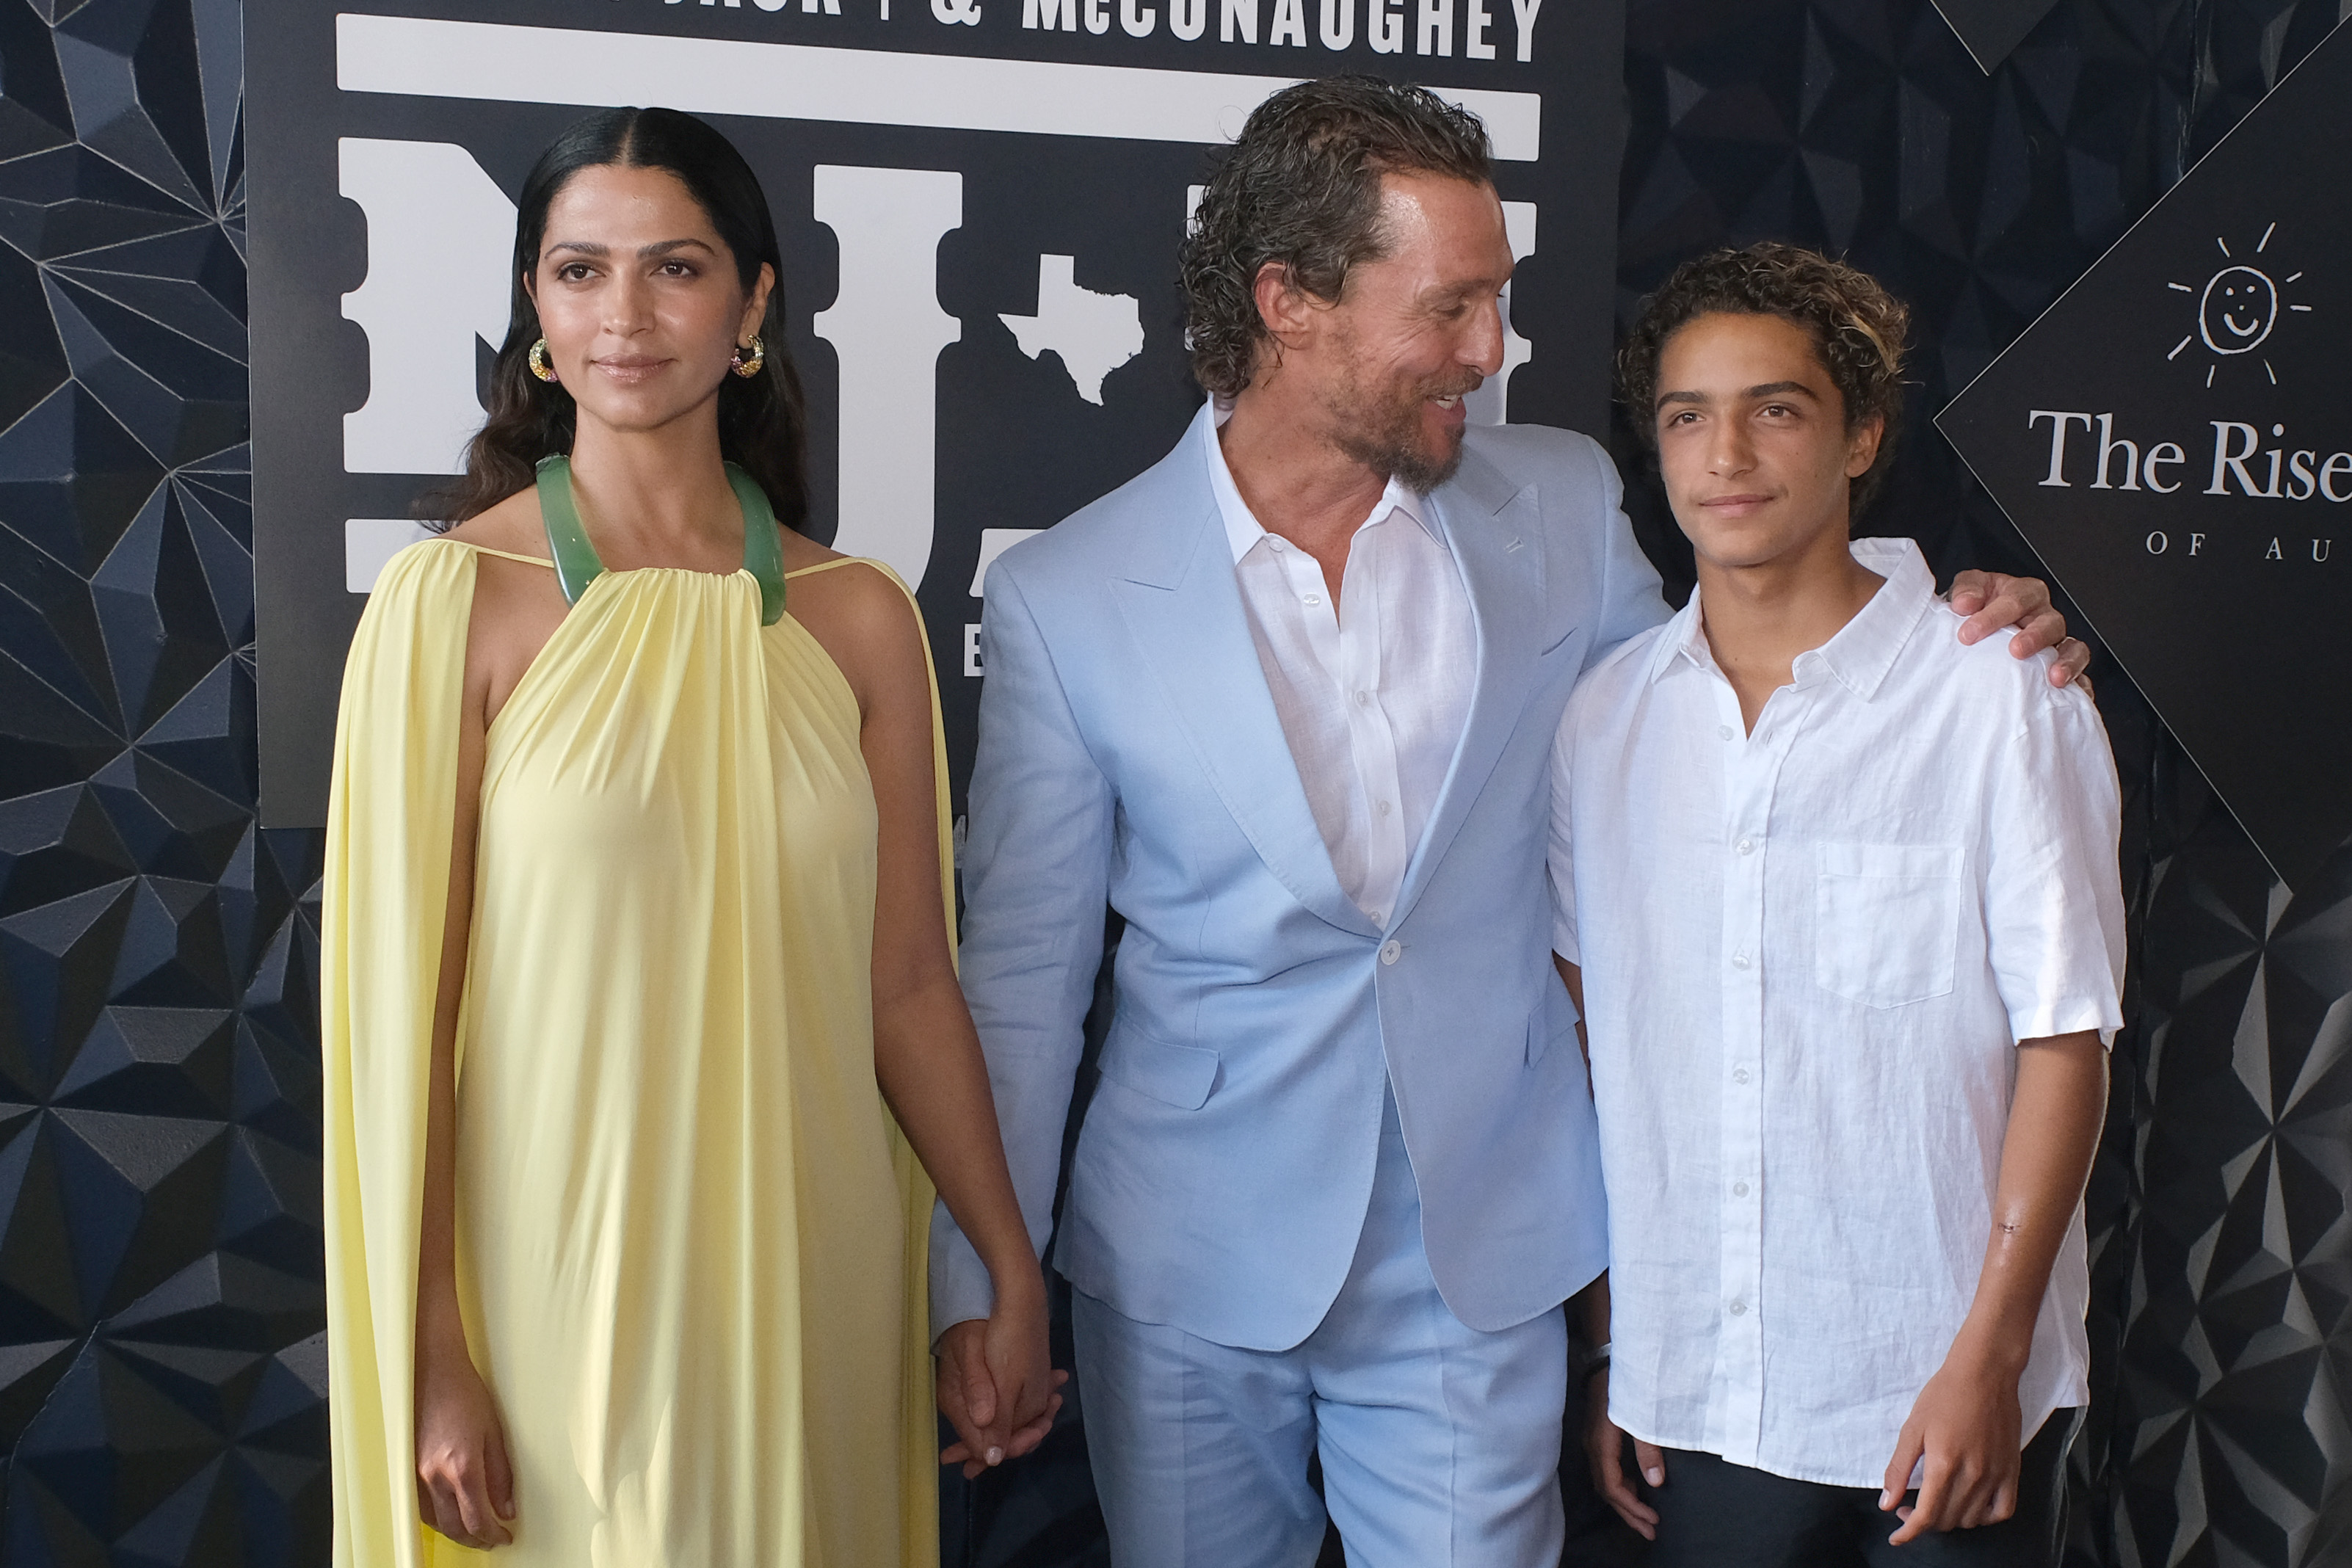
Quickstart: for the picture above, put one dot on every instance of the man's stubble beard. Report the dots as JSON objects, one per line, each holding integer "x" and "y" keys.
{"x": 1383, "y": 432}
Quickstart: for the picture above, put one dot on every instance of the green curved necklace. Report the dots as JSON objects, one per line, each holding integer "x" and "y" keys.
{"x": 577, "y": 563}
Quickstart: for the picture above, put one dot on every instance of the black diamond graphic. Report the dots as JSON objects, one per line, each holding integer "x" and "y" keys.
{"x": 2173, "y": 437}
{"x": 1992, "y": 28}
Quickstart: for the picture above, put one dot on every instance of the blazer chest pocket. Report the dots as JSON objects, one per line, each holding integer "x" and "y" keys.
{"x": 1180, "y": 1075}
{"x": 1886, "y": 921}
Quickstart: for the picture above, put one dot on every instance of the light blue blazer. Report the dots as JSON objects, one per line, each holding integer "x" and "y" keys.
{"x": 1129, "y": 755}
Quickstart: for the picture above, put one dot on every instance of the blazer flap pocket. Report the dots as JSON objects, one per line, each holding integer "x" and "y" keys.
{"x": 1180, "y": 1075}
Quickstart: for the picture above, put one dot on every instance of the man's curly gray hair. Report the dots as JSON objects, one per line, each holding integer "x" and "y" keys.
{"x": 1301, "y": 187}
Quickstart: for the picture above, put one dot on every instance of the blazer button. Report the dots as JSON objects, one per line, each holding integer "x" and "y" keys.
{"x": 1391, "y": 951}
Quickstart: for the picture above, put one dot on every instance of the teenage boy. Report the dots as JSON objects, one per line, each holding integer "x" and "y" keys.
{"x": 1838, "y": 896}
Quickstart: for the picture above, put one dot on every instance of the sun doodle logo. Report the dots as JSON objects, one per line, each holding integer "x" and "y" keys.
{"x": 2237, "y": 308}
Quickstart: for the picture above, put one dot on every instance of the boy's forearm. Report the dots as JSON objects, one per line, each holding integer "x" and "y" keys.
{"x": 2055, "y": 1121}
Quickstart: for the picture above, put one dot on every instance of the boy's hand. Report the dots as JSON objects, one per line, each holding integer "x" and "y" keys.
{"x": 1965, "y": 1425}
{"x": 1604, "y": 1448}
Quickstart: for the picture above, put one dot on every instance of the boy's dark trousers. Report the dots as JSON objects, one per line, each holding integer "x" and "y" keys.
{"x": 1715, "y": 1514}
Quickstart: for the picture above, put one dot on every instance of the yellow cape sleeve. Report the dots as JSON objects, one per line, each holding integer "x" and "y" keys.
{"x": 390, "y": 818}
{"x": 919, "y": 1480}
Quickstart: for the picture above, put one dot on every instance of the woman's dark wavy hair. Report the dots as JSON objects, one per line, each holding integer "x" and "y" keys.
{"x": 1301, "y": 186}
{"x": 761, "y": 426}
{"x": 1857, "y": 328}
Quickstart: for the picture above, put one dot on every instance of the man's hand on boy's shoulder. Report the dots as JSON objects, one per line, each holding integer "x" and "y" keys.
{"x": 1992, "y": 600}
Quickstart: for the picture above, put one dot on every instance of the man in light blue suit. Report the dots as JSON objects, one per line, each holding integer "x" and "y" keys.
{"x": 1286, "y": 701}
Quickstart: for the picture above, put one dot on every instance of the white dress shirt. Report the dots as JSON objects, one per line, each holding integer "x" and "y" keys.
{"x": 1373, "y": 692}
{"x": 1807, "y": 954}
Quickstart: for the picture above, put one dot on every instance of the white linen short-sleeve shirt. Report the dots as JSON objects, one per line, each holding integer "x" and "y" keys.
{"x": 1808, "y": 953}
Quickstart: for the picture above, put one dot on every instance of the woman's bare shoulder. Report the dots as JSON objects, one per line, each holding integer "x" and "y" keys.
{"x": 863, "y": 618}
{"x": 855, "y": 591}
{"x": 517, "y": 603}
{"x": 801, "y": 551}
{"x": 513, "y": 525}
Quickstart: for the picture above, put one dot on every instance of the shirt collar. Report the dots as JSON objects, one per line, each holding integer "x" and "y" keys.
{"x": 1864, "y": 649}
{"x": 1244, "y": 530}
{"x": 1683, "y": 638}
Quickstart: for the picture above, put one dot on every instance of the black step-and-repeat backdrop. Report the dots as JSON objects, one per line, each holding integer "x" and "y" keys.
{"x": 978, "y": 202}
{"x": 162, "y": 1366}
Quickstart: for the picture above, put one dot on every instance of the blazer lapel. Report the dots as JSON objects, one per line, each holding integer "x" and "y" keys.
{"x": 1490, "y": 526}
{"x": 1184, "y": 609}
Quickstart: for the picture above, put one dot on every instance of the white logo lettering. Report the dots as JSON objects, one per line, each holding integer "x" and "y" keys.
{"x": 1486, "y": 404}
{"x": 1436, "y": 21}
{"x": 887, "y": 330}
{"x": 1524, "y": 10}
{"x": 440, "y": 236}
{"x": 2059, "y": 420}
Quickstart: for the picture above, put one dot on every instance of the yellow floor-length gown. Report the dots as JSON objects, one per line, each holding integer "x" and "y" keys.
{"x": 690, "y": 1240}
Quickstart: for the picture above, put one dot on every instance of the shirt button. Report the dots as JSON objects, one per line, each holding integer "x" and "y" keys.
{"x": 1745, "y": 847}
{"x": 1739, "y": 1189}
{"x": 1724, "y": 731}
{"x": 1363, "y": 700}
{"x": 1739, "y": 1308}
{"x": 1313, "y": 598}
{"x": 1739, "y": 961}
{"x": 1391, "y": 951}
{"x": 1738, "y": 1075}
{"x": 1385, "y": 808}
{"x": 1377, "y": 915}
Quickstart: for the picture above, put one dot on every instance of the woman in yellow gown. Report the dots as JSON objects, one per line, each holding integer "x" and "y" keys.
{"x": 638, "y": 912}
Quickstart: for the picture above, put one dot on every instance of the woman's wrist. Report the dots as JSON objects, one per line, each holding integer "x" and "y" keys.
{"x": 440, "y": 1334}
{"x": 1017, "y": 1280}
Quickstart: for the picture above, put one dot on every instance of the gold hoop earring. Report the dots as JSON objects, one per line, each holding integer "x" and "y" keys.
{"x": 539, "y": 365}
{"x": 749, "y": 367}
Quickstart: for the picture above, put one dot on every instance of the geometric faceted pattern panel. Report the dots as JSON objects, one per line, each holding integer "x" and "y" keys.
{"x": 2232, "y": 1421}
{"x": 163, "y": 1357}
{"x": 2219, "y": 1431}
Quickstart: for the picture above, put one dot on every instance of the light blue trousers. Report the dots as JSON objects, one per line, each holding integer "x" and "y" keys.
{"x": 1440, "y": 1444}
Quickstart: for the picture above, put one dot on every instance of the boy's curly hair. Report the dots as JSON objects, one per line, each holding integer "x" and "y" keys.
{"x": 1857, "y": 328}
